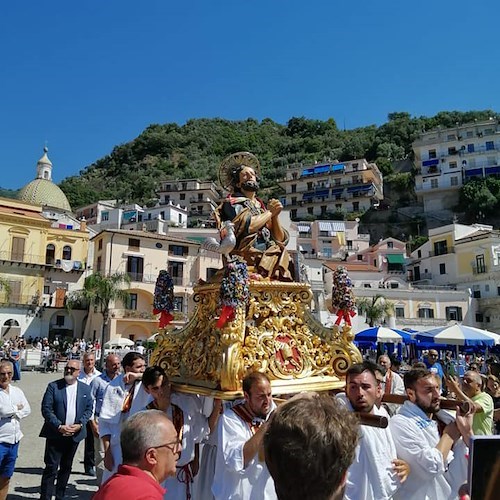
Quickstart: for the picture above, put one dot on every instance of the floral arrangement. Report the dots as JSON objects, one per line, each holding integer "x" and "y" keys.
{"x": 163, "y": 301}
{"x": 234, "y": 289}
{"x": 343, "y": 301}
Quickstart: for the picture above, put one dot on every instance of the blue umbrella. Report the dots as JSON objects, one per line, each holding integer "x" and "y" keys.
{"x": 460, "y": 335}
{"x": 382, "y": 334}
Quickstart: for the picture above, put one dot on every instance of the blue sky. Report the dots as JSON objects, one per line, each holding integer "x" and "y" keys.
{"x": 84, "y": 77}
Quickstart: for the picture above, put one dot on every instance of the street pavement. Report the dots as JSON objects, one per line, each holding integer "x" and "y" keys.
{"x": 29, "y": 466}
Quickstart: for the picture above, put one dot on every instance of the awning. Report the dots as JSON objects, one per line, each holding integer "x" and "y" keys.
{"x": 307, "y": 196}
{"x": 337, "y": 167}
{"x": 307, "y": 171}
{"x": 473, "y": 171}
{"x": 321, "y": 169}
{"x": 492, "y": 170}
{"x": 332, "y": 227}
{"x": 395, "y": 258}
{"x": 322, "y": 192}
{"x": 430, "y": 163}
{"x": 339, "y": 190}
{"x": 302, "y": 228}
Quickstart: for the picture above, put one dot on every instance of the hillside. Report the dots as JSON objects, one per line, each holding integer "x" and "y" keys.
{"x": 194, "y": 150}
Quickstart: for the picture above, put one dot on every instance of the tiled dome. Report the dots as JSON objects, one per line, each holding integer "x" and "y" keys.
{"x": 42, "y": 191}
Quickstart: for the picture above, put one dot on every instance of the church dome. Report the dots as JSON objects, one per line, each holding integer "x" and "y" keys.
{"x": 42, "y": 191}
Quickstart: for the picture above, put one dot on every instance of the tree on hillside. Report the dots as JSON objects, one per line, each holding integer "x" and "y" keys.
{"x": 375, "y": 309}
{"x": 99, "y": 291}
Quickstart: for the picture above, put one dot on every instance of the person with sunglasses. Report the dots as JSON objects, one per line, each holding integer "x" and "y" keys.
{"x": 66, "y": 407}
{"x": 150, "y": 450}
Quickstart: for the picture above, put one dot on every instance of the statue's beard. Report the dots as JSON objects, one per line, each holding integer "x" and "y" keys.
{"x": 250, "y": 186}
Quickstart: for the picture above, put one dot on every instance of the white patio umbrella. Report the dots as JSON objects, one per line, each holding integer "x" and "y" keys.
{"x": 119, "y": 342}
{"x": 460, "y": 335}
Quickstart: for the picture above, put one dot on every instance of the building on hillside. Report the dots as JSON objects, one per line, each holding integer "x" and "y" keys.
{"x": 142, "y": 255}
{"x": 111, "y": 215}
{"x": 465, "y": 258}
{"x": 325, "y": 239}
{"x": 315, "y": 191}
{"x": 447, "y": 158}
{"x": 199, "y": 197}
{"x": 42, "y": 260}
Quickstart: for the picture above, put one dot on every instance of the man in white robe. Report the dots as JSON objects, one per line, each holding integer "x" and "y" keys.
{"x": 376, "y": 472}
{"x": 123, "y": 397}
{"x": 185, "y": 411}
{"x": 438, "y": 464}
{"x": 240, "y": 469}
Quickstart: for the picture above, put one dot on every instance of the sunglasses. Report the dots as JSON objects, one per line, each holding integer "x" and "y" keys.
{"x": 70, "y": 369}
{"x": 174, "y": 447}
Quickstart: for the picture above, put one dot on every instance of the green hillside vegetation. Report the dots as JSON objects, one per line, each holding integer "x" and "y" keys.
{"x": 132, "y": 171}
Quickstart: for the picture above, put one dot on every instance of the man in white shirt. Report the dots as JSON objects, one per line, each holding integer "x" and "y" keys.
{"x": 240, "y": 468}
{"x": 185, "y": 411}
{"x": 13, "y": 407}
{"x": 123, "y": 397}
{"x": 438, "y": 463}
{"x": 376, "y": 472}
{"x": 89, "y": 373}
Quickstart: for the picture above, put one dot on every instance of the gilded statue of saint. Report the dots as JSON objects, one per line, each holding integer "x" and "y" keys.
{"x": 260, "y": 238}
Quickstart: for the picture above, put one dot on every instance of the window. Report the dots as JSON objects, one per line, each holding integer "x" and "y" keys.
{"x": 440, "y": 247}
{"x": 336, "y": 182}
{"x": 390, "y": 244}
{"x": 453, "y": 164}
{"x": 480, "y": 264}
{"x": 46, "y": 290}
{"x": 211, "y": 271}
{"x": 200, "y": 197}
{"x": 470, "y": 147}
{"x": 323, "y": 209}
{"x": 134, "y": 244}
{"x": 451, "y": 137}
{"x": 490, "y": 145}
{"x": 374, "y": 262}
{"x": 293, "y": 213}
{"x": 99, "y": 244}
{"x": 294, "y": 200}
{"x": 452, "y": 150}
{"x": 132, "y": 301}
{"x": 469, "y": 134}
{"x": 310, "y": 210}
{"x": 135, "y": 267}
{"x": 454, "y": 181}
{"x": 419, "y": 254}
{"x": 309, "y": 186}
{"x": 479, "y": 318}
{"x": 104, "y": 216}
{"x": 327, "y": 252}
{"x": 400, "y": 311}
{"x": 349, "y": 244}
{"x": 50, "y": 254}
{"x": 59, "y": 320}
{"x": 178, "y": 304}
{"x": 442, "y": 268}
{"x": 434, "y": 184}
{"x": 432, "y": 154}
{"x": 176, "y": 270}
{"x": 182, "y": 196}
{"x": 179, "y": 218}
{"x": 476, "y": 294}
{"x": 338, "y": 206}
{"x": 66, "y": 253}
{"x": 178, "y": 250}
{"x": 394, "y": 284}
{"x": 17, "y": 252}
{"x": 426, "y": 312}
{"x": 454, "y": 313}
{"x": 294, "y": 188}
{"x": 167, "y": 199}
{"x": 498, "y": 290}
{"x": 98, "y": 264}
{"x": 355, "y": 206}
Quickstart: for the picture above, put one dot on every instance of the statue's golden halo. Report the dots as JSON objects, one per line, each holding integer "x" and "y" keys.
{"x": 234, "y": 160}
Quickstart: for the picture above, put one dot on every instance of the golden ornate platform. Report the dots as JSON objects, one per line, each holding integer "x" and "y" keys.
{"x": 276, "y": 334}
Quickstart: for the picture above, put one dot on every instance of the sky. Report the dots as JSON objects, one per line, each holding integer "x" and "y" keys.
{"x": 84, "y": 77}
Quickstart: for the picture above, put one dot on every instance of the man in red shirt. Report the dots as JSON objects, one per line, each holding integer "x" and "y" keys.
{"x": 150, "y": 450}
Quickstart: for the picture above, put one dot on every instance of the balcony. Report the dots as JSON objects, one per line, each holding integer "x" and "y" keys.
{"x": 134, "y": 314}
{"x": 142, "y": 278}
{"x": 479, "y": 269}
{"x": 441, "y": 251}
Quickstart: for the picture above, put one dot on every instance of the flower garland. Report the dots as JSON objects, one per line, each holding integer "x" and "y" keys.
{"x": 163, "y": 301}
{"x": 234, "y": 289}
{"x": 343, "y": 301}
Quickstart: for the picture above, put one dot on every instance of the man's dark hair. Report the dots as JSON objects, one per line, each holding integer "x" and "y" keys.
{"x": 359, "y": 368}
{"x": 252, "y": 379}
{"x": 235, "y": 176}
{"x": 309, "y": 445}
{"x": 152, "y": 374}
{"x": 130, "y": 357}
{"x": 413, "y": 376}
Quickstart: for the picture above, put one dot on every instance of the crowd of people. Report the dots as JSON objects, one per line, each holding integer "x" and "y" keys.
{"x": 141, "y": 439}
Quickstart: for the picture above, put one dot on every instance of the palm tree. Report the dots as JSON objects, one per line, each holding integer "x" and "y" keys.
{"x": 376, "y": 308}
{"x": 98, "y": 292}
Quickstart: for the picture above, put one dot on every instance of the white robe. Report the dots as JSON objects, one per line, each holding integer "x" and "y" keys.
{"x": 431, "y": 477}
{"x": 111, "y": 416}
{"x": 371, "y": 476}
{"x": 233, "y": 481}
{"x": 195, "y": 430}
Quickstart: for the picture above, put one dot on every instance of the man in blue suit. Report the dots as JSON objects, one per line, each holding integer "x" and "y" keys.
{"x": 66, "y": 407}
